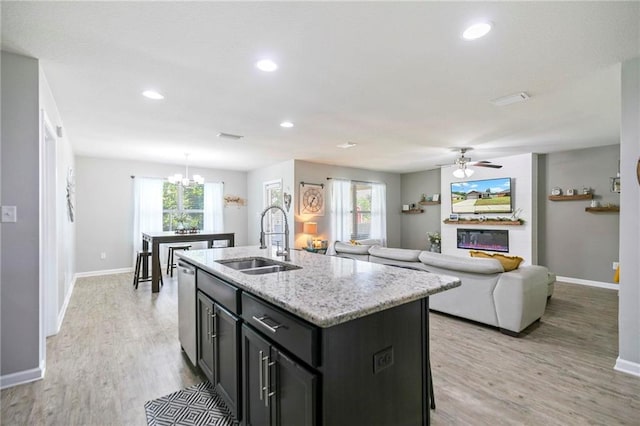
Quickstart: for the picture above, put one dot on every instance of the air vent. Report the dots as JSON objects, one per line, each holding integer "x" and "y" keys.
{"x": 229, "y": 136}
{"x": 511, "y": 99}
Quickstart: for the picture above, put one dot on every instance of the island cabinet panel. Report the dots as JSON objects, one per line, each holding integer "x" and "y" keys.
{"x": 205, "y": 338}
{"x": 218, "y": 350}
{"x": 297, "y": 336}
{"x": 374, "y": 369}
{"x": 222, "y": 292}
{"x": 277, "y": 389}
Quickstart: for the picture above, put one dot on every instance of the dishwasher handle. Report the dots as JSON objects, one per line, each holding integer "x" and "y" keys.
{"x": 186, "y": 268}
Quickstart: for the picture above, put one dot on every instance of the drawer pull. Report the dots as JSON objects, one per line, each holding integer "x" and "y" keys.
{"x": 271, "y": 328}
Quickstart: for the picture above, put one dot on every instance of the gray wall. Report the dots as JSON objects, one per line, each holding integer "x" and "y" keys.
{"x": 104, "y": 197}
{"x": 415, "y": 226}
{"x": 629, "y": 308}
{"x": 19, "y": 287}
{"x": 318, "y": 173}
{"x": 574, "y": 243}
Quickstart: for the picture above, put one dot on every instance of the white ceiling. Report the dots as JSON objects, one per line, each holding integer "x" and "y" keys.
{"x": 394, "y": 77}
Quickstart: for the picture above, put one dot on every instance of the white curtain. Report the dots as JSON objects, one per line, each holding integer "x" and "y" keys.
{"x": 147, "y": 209}
{"x": 378, "y": 229}
{"x": 214, "y": 207}
{"x": 340, "y": 212}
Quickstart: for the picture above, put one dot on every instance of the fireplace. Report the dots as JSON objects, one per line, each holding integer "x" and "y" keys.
{"x": 484, "y": 239}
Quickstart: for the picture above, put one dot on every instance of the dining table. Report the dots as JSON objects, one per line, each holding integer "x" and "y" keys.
{"x": 154, "y": 239}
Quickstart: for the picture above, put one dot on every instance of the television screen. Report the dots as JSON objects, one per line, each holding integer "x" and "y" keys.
{"x": 481, "y": 196}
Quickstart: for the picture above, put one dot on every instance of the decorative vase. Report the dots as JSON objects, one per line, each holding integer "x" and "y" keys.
{"x": 435, "y": 248}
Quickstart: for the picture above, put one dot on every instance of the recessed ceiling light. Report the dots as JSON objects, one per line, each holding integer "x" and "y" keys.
{"x": 476, "y": 31}
{"x": 267, "y": 65}
{"x": 346, "y": 145}
{"x": 286, "y": 124}
{"x": 152, "y": 94}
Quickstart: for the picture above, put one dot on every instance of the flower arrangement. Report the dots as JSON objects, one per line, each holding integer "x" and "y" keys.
{"x": 434, "y": 237}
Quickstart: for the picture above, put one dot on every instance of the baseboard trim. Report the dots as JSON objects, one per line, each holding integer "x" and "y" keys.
{"x": 103, "y": 272}
{"x": 67, "y": 298}
{"x": 627, "y": 367}
{"x": 21, "y": 377}
{"x": 610, "y": 286}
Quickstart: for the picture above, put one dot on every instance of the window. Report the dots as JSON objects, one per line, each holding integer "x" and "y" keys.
{"x": 182, "y": 207}
{"x": 360, "y": 210}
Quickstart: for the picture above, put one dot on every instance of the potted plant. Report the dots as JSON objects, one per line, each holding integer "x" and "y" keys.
{"x": 434, "y": 238}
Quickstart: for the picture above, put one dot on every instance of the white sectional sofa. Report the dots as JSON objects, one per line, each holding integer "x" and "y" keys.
{"x": 510, "y": 300}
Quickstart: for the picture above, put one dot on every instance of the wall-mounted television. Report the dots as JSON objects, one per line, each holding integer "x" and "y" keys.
{"x": 482, "y": 196}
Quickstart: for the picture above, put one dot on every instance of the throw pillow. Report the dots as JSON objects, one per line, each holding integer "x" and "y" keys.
{"x": 509, "y": 263}
{"x": 354, "y": 243}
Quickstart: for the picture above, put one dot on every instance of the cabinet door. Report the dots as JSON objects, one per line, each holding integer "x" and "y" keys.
{"x": 255, "y": 358}
{"x": 227, "y": 330}
{"x": 294, "y": 392}
{"x": 205, "y": 336}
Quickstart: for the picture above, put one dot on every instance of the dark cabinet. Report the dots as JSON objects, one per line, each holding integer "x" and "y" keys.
{"x": 218, "y": 349}
{"x": 205, "y": 336}
{"x": 277, "y": 389}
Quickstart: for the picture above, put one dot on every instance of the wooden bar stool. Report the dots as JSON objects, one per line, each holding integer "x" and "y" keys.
{"x": 170, "y": 265}
{"x": 136, "y": 274}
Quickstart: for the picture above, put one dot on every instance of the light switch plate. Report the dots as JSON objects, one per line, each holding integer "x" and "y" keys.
{"x": 9, "y": 214}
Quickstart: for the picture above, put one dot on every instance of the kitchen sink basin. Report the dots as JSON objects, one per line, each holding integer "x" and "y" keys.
{"x": 257, "y": 265}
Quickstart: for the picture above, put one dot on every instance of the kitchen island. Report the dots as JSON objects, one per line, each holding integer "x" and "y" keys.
{"x": 334, "y": 341}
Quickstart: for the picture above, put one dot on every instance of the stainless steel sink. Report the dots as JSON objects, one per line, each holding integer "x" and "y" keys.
{"x": 257, "y": 265}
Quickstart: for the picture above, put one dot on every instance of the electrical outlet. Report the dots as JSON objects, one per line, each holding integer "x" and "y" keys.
{"x": 615, "y": 265}
{"x": 382, "y": 359}
{"x": 103, "y": 255}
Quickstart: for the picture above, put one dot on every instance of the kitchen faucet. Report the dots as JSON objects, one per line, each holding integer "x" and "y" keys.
{"x": 279, "y": 252}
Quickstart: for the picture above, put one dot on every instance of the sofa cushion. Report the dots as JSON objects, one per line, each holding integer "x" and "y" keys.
{"x": 341, "y": 247}
{"x": 405, "y": 255}
{"x": 473, "y": 265}
{"x": 509, "y": 263}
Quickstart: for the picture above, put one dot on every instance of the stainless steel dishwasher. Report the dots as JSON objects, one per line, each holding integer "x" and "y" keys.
{"x": 187, "y": 309}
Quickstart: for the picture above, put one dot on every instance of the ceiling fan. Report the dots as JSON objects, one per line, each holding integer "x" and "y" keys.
{"x": 462, "y": 164}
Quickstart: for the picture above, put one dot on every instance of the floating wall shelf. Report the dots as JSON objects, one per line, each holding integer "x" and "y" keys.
{"x": 414, "y": 211}
{"x": 570, "y": 197}
{"x": 488, "y": 222}
{"x": 429, "y": 203}
{"x": 611, "y": 209}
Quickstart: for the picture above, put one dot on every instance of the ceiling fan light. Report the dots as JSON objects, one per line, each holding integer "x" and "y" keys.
{"x": 459, "y": 173}
{"x": 468, "y": 172}
{"x": 198, "y": 179}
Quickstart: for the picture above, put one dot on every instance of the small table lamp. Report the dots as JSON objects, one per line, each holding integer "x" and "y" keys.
{"x": 311, "y": 229}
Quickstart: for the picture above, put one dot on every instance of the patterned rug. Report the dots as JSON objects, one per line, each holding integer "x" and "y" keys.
{"x": 195, "y": 405}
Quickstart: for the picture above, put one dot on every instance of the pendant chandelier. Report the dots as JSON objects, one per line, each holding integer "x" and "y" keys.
{"x": 178, "y": 179}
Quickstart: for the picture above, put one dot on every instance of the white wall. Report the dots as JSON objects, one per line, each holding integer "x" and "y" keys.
{"x": 104, "y": 196}
{"x": 65, "y": 229}
{"x": 522, "y": 169}
{"x": 629, "y": 308}
{"x": 318, "y": 173}
{"x": 255, "y": 189}
{"x": 21, "y": 341}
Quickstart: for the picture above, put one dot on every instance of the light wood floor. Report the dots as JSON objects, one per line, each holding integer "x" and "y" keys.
{"x": 119, "y": 348}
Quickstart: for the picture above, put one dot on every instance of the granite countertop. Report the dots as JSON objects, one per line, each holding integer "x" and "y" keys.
{"x": 328, "y": 290}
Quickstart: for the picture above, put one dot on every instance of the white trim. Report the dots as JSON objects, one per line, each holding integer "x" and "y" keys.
{"x": 63, "y": 311}
{"x": 22, "y": 377}
{"x": 628, "y": 367}
{"x": 610, "y": 286}
{"x": 103, "y": 272}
